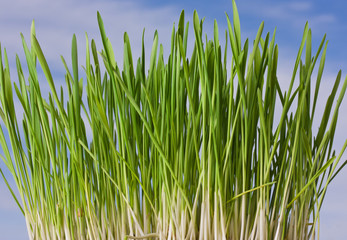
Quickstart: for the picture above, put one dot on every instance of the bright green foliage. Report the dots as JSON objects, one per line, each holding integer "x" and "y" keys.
{"x": 182, "y": 151}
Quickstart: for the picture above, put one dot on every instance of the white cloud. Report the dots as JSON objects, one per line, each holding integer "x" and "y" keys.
{"x": 295, "y": 14}
{"x": 323, "y": 19}
{"x": 57, "y": 21}
{"x": 300, "y": 6}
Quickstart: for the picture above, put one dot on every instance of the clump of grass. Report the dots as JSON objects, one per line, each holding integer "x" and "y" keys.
{"x": 186, "y": 150}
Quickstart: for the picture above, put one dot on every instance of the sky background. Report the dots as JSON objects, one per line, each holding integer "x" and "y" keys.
{"x": 57, "y": 21}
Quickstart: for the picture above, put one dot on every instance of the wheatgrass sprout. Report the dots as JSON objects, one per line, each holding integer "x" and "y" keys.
{"x": 187, "y": 149}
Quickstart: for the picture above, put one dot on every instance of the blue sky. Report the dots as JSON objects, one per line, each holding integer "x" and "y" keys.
{"x": 57, "y": 21}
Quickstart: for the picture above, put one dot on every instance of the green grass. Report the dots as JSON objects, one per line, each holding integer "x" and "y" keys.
{"x": 187, "y": 149}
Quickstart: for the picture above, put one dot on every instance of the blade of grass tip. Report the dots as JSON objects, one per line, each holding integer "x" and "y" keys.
{"x": 30, "y": 62}
{"x": 225, "y": 56}
{"x": 328, "y": 107}
{"x": 153, "y": 58}
{"x": 143, "y": 56}
{"x": 237, "y": 55}
{"x": 180, "y": 29}
{"x": 185, "y": 39}
{"x": 308, "y": 49}
{"x": 6, "y": 88}
{"x": 237, "y": 27}
{"x": 272, "y": 80}
{"x": 88, "y": 65}
{"x": 9, "y": 96}
{"x": 7, "y": 67}
{"x": 32, "y": 34}
{"x": 233, "y": 42}
{"x": 254, "y": 51}
{"x": 48, "y": 75}
{"x": 106, "y": 43}
{"x": 197, "y": 31}
{"x": 319, "y": 78}
{"x": 76, "y": 96}
{"x": 337, "y": 106}
{"x": 310, "y": 67}
{"x": 128, "y": 64}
